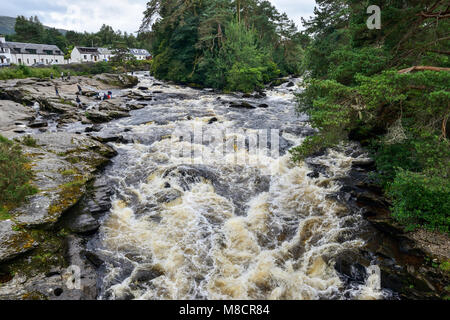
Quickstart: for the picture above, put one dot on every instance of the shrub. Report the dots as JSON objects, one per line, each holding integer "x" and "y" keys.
{"x": 14, "y": 176}
{"x": 420, "y": 200}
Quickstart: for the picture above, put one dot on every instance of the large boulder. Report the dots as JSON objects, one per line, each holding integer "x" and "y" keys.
{"x": 117, "y": 80}
{"x": 62, "y": 164}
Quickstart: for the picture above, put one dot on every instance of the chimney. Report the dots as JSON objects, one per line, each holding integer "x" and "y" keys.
{"x": 2, "y": 38}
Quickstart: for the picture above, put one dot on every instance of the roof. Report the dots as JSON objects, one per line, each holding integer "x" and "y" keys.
{"x": 88, "y": 50}
{"x": 140, "y": 52}
{"x": 40, "y": 48}
{"x": 104, "y": 51}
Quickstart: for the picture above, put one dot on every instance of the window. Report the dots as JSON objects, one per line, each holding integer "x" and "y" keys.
{"x": 35, "y": 61}
{"x": 85, "y": 57}
{"x": 28, "y": 61}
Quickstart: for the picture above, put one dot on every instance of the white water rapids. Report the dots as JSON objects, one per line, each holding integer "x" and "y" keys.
{"x": 183, "y": 227}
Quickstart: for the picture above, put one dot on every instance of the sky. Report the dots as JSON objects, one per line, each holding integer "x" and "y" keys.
{"x": 124, "y": 15}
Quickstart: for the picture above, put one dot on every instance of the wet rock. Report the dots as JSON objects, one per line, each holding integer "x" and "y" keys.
{"x": 99, "y": 200}
{"x": 145, "y": 273}
{"x": 168, "y": 195}
{"x": 82, "y": 223}
{"x": 143, "y": 88}
{"x": 242, "y": 105}
{"x": 38, "y": 124}
{"x": 212, "y": 120}
{"x": 263, "y": 105}
{"x": 94, "y": 128}
{"x": 290, "y": 84}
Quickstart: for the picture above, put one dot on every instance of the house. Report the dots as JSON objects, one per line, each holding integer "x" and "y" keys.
{"x": 85, "y": 54}
{"x": 29, "y": 53}
{"x": 105, "y": 54}
{"x": 5, "y": 52}
{"x": 141, "y": 54}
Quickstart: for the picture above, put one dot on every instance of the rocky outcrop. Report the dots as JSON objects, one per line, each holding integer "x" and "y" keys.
{"x": 117, "y": 80}
{"x": 409, "y": 261}
{"x": 31, "y": 247}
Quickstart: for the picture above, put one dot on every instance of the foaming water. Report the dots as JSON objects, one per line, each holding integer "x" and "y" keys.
{"x": 247, "y": 224}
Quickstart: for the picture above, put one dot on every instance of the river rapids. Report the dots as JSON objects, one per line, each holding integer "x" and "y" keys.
{"x": 208, "y": 205}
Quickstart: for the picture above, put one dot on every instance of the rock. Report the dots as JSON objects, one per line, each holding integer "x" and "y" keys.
{"x": 243, "y": 105}
{"x": 145, "y": 273}
{"x": 38, "y": 124}
{"x": 82, "y": 223}
{"x": 169, "y": 195}
{"x": 98, "y": 117}
{"x": 11, "y": 115}
{"x": 290, "y": 84}
{"x": 212, "y": 120}
{"x": 142, "y": 88}
{"x": 99, "y": 200}
{"x": 15, "y": 94}
{"x": 263, "y": 105}
{"x": 117, "y": 80}
{"x": 62, "y": 164}
{"x": 94, "y": 128}
{"x": 13, "y": 242}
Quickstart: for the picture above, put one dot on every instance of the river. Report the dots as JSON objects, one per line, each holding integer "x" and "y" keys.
{"x": 208, "y": 205}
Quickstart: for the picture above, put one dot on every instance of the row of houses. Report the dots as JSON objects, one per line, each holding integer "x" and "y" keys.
{"x": 31, "y": 54}
{"x": 94, "y": 54}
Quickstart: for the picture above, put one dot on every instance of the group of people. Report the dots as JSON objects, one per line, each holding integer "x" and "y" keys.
{"x": 98, "y": 96}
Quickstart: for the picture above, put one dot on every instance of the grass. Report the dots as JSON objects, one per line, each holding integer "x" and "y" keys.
{"x": 29, "y": 141}
{"x": 15, "y": 177}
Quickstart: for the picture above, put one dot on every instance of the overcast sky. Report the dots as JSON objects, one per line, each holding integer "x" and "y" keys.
{"x": 125, "y": 15}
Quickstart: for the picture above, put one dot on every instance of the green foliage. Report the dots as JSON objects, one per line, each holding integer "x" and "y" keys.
{"x": 15, "y": 175}
{"x": 354, "y": 90}
{"x": 222, "y": 44}
{"x": 29, "y": 141}
{"x": 420, "y": 200}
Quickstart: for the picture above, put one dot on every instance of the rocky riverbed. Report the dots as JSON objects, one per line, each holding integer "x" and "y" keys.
{"x": 119, "y": 215}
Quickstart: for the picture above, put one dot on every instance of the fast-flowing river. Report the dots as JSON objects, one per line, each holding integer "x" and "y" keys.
{"x": 208, "y": 205}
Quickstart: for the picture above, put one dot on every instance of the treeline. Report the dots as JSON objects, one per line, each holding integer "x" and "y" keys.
{"x": 358, "y": 87}
{"x": 233, "y": 45}
{"x": 33, "y": 31}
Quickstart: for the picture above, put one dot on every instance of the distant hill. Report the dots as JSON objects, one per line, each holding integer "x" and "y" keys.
{"x": 7, "y": 26}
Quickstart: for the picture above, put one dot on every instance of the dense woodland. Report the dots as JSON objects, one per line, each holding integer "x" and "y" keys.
{"x": 232, "y": 45}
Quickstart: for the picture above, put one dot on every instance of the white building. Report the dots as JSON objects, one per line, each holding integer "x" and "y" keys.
{"x": 5, "y": 53}
{"x": 105, "y": 54}
{"x": 29, "y": 53}
{"x": 140, "y": 54}
{"x": 85, "y": 54}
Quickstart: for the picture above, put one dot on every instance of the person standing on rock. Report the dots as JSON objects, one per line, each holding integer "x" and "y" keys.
{"x": 56, "y": 90}
{"x": 62, "y": 76}
{"x": 79, "y": 89}
{"x": 78, "y": 101}
{"x": 51, "y": 75}
{"x": 68, "y": 75}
